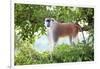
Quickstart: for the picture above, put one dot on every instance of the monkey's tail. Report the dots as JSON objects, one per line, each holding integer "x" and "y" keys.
{"x": 80, "y": 28}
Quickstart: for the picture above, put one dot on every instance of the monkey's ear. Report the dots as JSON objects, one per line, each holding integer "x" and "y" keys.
{"x": 46, "y": 19}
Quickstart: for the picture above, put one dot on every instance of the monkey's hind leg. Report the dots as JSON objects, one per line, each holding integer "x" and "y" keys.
{"x": 71, "y": 41}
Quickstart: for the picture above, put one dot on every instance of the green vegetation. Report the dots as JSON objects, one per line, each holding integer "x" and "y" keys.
{"x": 61, "y": 54}
{"x": 29, "y": 20}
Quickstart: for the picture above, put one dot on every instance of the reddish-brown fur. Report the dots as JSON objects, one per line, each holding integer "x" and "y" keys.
{"x": 63, "y": 29}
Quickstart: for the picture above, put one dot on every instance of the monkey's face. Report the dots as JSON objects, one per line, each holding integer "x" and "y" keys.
{"x": 49, "y": 22}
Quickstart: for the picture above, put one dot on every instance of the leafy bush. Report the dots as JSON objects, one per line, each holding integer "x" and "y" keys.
{"x": 25, "y": 54}
{"x": 61, "y": 54}
{"x": 67, "y": 53}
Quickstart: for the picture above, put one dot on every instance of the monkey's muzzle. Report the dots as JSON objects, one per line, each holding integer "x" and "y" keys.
{"x": 48, "y": 24}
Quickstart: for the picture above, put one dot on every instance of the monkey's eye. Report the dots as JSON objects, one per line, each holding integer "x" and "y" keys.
{"x": 52, "y": 20}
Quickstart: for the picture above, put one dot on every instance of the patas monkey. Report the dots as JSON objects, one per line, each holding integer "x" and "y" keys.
{"x": 56, "y": 30}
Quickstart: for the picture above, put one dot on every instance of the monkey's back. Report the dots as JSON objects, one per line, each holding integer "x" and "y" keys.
{"x": 64, "y": 29}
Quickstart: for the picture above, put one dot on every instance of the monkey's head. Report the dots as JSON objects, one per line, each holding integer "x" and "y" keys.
{"x": 49, "y": 22}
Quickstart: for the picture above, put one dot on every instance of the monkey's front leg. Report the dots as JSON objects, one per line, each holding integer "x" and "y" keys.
{"x": 51, "y": 44}
{"x": 51, "y": 40}
{"x": 52, "y": 36}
